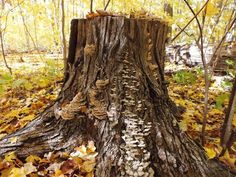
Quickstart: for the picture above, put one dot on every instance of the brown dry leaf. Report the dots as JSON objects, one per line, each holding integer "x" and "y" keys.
{"x": 5, "y": 172}
{"x": 55, "y": 166}
{"x": 78, "y": 161}
{"x": 29, "y": 168}
{"x": 4, "y": 165}
{"x": 68, "y": 166}
{"x": 92, "y": 15}
{"x": 17, "y": 172}
{"x": 84, "y": 109}
{"x": 228, "y": 159}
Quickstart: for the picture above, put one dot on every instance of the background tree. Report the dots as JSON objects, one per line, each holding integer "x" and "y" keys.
{"x": 63, "y": 37}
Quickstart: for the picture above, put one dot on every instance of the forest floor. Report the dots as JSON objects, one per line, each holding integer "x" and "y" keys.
{"x": 35, "y": 84}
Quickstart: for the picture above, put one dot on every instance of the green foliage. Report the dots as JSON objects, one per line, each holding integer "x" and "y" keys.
{"x": 5, "y": 81}
{"x": 184, "y": 77}
{"x": 226, "y": 84}
{"x": 20, "y": 83}
{"x": 32, "y": 79}
{"x": 231, "y": 67}
{"x": 220, "y": 99}
{"x": 199, "y": 71}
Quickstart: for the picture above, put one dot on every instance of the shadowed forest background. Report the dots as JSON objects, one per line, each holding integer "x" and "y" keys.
{"x": 200, "y": 70}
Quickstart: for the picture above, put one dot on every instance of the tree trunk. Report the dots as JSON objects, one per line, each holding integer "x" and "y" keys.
{"x": 115, "y": 94}
{"x": 63, "y": 36}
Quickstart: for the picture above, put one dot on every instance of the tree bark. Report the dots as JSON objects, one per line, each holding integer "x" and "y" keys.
{"x": 115, "y": 94}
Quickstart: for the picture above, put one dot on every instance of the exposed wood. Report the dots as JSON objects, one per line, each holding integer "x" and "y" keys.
{"x": 115, "y": 94}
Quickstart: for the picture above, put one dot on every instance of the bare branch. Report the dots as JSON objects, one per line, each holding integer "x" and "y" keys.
{"x": 195, "y": 15}
{"x": 206, "y": 79}
{"x": 91, "y": 6}
{"x": 105, "y": 8}
{"x": 228, "y": 28}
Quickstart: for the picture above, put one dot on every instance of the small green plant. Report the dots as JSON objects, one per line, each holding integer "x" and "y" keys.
{"x": 43, "y": 77}
{"x": 5, "y": 81}
{"x": 220, "y": 99}
{"x": 231, "y": 69}
{"x": 185, "y": 77}
{"x": 199, "y": 71}
{"x": 226, "y": 84}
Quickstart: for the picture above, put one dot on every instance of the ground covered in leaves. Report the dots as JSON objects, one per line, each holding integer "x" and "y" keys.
{"x": 186, "y": 89}
{"x": 35, "y": 84}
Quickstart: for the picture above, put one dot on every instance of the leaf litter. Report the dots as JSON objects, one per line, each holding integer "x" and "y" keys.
{"x": 27, "y": 94}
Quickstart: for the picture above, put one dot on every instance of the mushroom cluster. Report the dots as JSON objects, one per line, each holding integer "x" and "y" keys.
{"x": 134, "y": 151}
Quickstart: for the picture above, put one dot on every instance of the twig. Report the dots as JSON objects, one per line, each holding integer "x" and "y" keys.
{"x": 3, "y": 54}
{"x": 105, "y": 8}
{"x": 228, "y": 28}
{"x": 184, "y": 31}
{"x": 217, "y": 20}
{"x": 2, "y": 36}
{"x": 91, "y": 6}
{"x": 190, "y": 21}
{"x": 28, "y": 32}
{"x": 206, "y": 79}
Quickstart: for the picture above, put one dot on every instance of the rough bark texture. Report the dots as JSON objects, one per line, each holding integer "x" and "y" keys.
{"x": 115, "y": 94}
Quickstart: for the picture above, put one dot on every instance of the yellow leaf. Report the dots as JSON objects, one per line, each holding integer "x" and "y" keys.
{"x": 210, "y": 152}
{"x": 10, "y": 156}
{"x": 12, "y": 140}
{"x": 33, "y": 158}
{"x": 17, "y": 172}
{"x": 88, "y": 166}
{"x": 90, "y": 174}
{"x": 234, "y": 120}
{"x": 227, "y": 159}
{"x": 77, "y": 160}
{"x": 183, "y": 125}
{"x": 13, "y": 113}
{"x": 2, "y": 135}
{"x": 29, "y": 168}
{"x": 28, "y": 118}
{"x": 211, "y": 9}
{"x": 58, "y": 173}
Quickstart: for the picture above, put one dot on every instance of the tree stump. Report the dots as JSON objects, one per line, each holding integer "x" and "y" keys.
{"x": 115, "y": 94}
